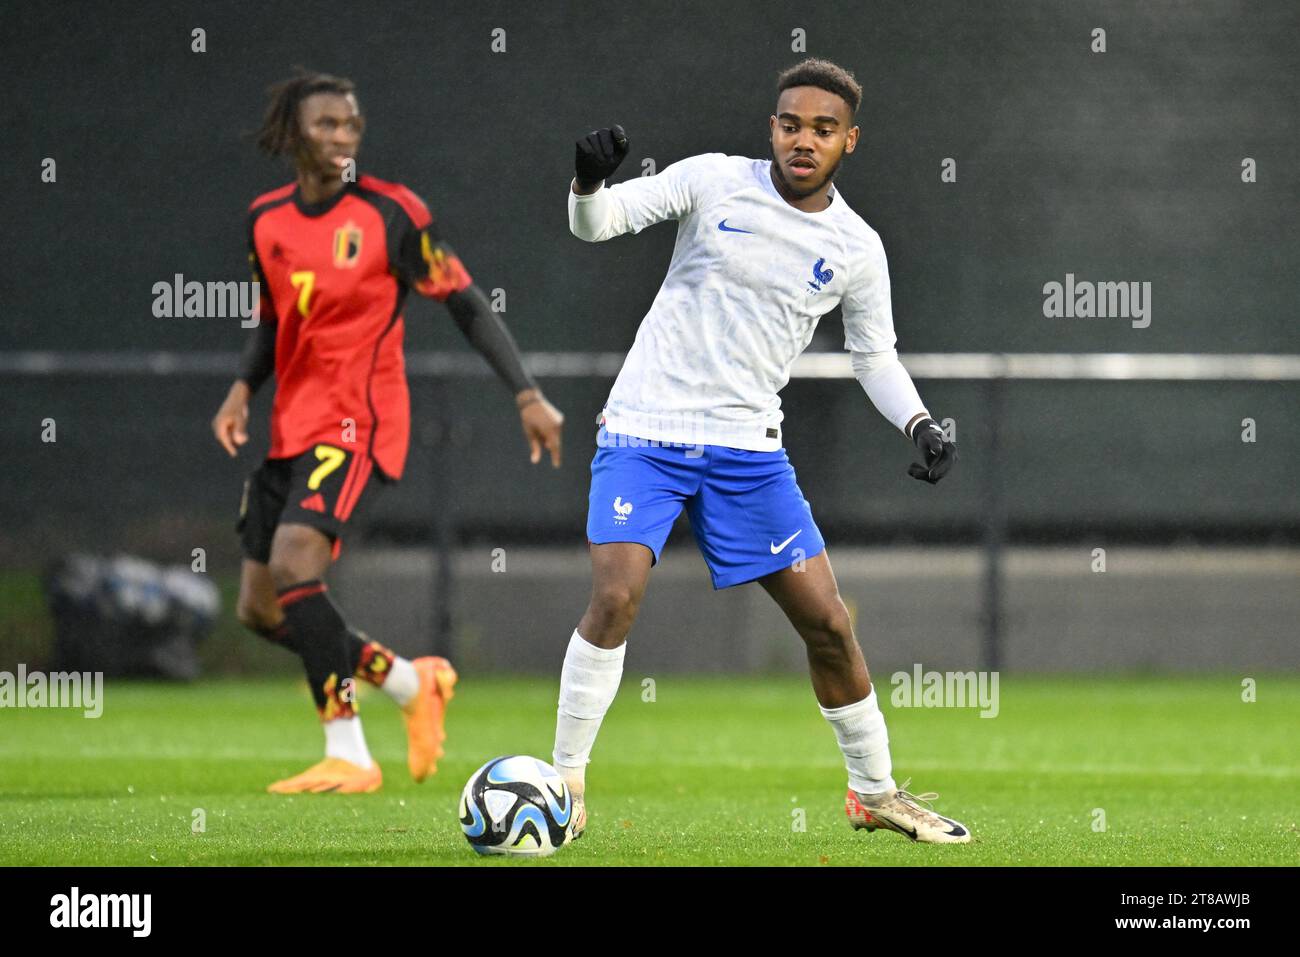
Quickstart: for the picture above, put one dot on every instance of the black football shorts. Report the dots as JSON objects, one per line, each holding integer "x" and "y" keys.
{"x": 320, "y": 488}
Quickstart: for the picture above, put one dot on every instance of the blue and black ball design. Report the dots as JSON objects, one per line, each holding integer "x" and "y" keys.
{"x": 516, "y": 805}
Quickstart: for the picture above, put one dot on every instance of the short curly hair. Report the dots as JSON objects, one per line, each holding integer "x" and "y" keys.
{"x": 824, "y": 75}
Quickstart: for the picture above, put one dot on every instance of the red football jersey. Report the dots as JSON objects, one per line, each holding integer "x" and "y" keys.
{"x": 334, "y": 276}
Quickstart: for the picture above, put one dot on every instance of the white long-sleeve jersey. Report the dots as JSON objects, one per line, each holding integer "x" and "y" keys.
{"x": 750, "y": 277}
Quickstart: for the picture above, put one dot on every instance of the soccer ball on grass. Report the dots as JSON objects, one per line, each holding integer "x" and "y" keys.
{"x": 516, "y": 805}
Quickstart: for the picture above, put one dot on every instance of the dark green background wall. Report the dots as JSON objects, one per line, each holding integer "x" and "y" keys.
{"x": 1115, "y": 166}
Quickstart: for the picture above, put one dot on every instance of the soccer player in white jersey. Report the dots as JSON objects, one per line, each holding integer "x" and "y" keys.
{"x": 764, "y": 249}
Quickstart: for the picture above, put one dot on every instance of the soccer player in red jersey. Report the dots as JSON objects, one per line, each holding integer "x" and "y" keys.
{"x": 335, "y": 254}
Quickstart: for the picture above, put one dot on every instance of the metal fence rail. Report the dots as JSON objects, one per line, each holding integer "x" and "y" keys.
{"x": 1116, "y": 366}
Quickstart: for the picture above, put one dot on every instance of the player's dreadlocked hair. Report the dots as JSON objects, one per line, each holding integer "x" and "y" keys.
{"x": 824, "y": 75}
{"x": 279, "y": 134}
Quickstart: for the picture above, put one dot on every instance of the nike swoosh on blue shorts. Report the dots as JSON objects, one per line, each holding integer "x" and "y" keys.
{"x": 746, "y": 509}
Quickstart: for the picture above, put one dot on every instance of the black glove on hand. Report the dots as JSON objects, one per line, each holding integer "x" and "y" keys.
{"x": 598, "y": 155}
{"x": 939, "y": 454}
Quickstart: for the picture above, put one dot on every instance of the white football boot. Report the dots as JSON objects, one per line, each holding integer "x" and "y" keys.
{"x": 579, "y": 817}
{"x": 577, "y": 786}
{"x": 897, "y": 810}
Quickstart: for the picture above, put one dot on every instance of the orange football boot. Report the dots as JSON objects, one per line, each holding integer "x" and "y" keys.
{"x": 333, "y": 776}
{"x": 424, "y": 715}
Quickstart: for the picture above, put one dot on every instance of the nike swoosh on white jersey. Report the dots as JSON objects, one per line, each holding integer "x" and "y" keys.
{"x": 777, "y": 549}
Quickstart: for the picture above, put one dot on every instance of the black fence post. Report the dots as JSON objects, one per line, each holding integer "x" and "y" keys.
{"x": 995, "y": 521}
{"x": 441, "y": 489}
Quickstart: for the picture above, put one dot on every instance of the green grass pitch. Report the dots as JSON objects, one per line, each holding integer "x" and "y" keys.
{"x": 713, "y": 771}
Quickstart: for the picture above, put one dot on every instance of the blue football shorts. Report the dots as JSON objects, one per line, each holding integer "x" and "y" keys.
{"x": 748, "y": 515}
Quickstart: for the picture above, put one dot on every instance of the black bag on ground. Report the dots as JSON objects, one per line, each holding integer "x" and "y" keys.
{"x": 128, "y": 617}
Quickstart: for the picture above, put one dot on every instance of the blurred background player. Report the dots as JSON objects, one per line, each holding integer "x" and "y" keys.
{"x": 764, "y": 249}
{"x": 335, "y": 254}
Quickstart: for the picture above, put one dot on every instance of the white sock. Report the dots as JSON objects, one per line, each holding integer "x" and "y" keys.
{"x": 860, "y": 730}
{"x": 343, "y": 739}
{"x": 403, "y": 681}
{"x": 588, "y": 684}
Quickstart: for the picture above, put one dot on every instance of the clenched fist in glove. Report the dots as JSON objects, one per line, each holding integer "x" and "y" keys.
{"x": 939, "y": 453}
{"x": 598, "y": 155}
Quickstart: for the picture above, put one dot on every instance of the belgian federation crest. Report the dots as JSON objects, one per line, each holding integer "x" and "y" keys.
{"x": 347, "y": 245}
